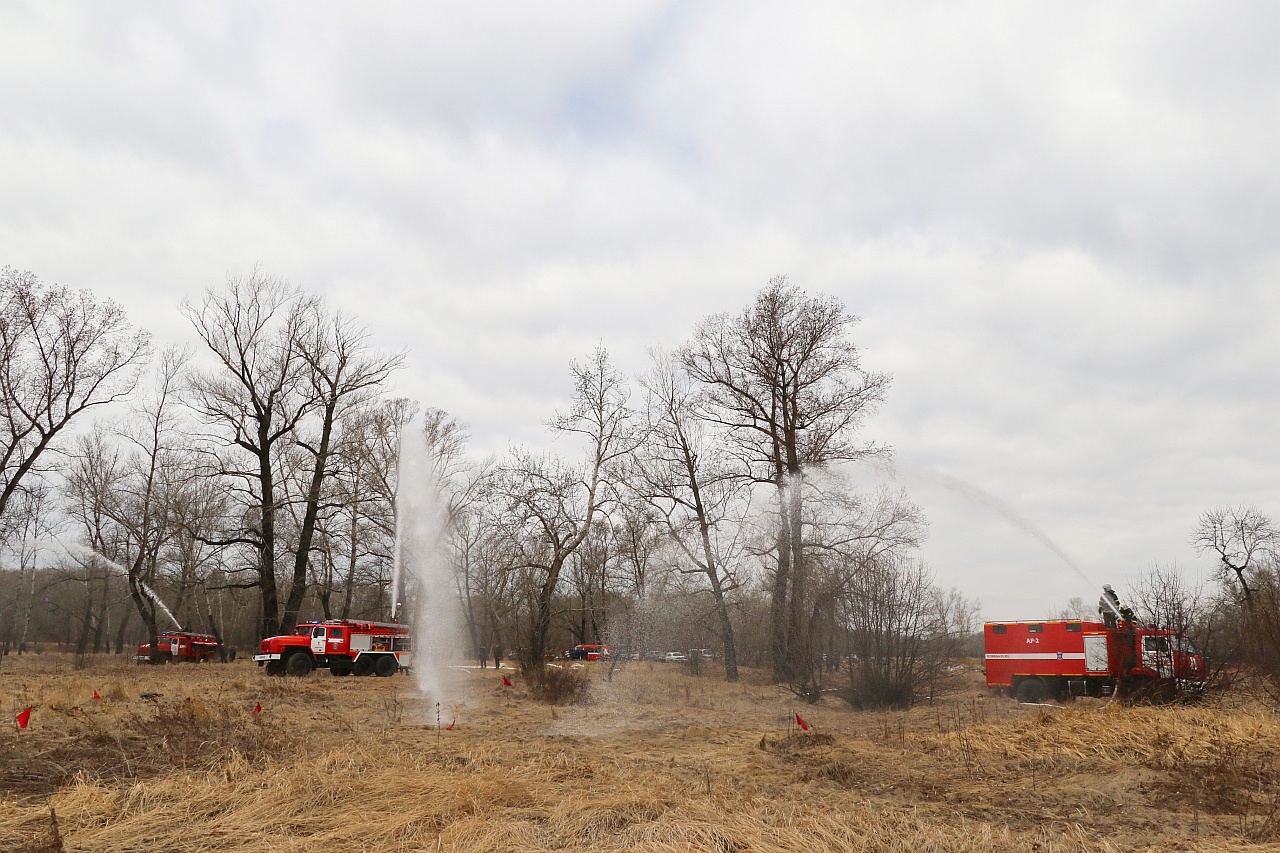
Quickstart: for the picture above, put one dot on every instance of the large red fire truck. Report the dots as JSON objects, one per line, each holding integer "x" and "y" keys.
{"x": 345, "y": 646}
{"x": 1063, "y": 658}
{"x": 180, "y": 646}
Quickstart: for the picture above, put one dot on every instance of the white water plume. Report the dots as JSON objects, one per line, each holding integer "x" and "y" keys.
{"x": 88, "y": 553}
{"x": 421, "y": 574}
{"x": 151, "y": 594}
{"x": 990, "y": 502}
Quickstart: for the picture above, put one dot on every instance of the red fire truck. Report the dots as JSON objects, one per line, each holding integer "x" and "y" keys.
{"x": 180, "y": 646}
{"x": 345, "y": 646}
{"x": 1063, "y": 658}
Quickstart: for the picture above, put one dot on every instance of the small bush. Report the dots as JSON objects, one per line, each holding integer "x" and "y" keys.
{"x": 557, "y": 686}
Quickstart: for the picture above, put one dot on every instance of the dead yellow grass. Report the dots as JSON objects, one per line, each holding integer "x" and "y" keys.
{"x": 658, "y": 761}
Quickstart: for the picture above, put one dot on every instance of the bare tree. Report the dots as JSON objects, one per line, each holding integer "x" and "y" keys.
{"x": 1077, "y": 609}
{"x": 903, "y": 632}
{"x": 681, "y": 473}
{"x": 253, "y": 399}
{"x": 30, "y": 524}
{"x": 62, "y": 352}
{"x": 590, "y": 569}
{"x": 343, "y": 374}
{"x": 849, "y": 535}
{"x": 135, "y": 492}
{"x": 787, "y": 383}
{"x": 365, "y": 489}
{"x": 197, "y": 509}
{"x": 94, "y": 479}
{"x": 1239, "y": 535}
{"x": 550, "y": 506}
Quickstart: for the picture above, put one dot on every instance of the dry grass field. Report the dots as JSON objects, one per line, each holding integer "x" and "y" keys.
{"x": 658, "y": 760}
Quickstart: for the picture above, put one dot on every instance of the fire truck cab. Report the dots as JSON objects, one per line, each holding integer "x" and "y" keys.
{"x": 344, "y": 646}
{"x": 1060, "y": 659}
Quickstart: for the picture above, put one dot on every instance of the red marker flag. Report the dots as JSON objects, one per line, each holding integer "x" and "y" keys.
{"x": 25, "y": 717}
{"x": 449, "y": 727}
{"x": 801, "y": 723}
{"x": 96, "y": 697}
{"x": 506, "y": 682}
{"x": 257, "y": 709}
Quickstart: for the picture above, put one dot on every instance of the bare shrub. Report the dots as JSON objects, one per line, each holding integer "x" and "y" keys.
{"x": 904, "y": 634}
{"x": 559, "y": 686}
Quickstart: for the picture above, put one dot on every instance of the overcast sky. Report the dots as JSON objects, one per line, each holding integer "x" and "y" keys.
{"x": 1058, "y": 222}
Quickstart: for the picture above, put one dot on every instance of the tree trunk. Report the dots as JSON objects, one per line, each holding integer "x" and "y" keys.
{"x": 101, "y": 623}
{"x": 799, "y": 642}
{"x": 26, "y": 616}
{"x": 270, "y": 626}
{"x": 122, "y": 630}
{"x": 534, "y": 663}
{"x": 778, "y": 657}
{"x": 353, "y": 551}
{"x": 86, "y": 624}
{"x": 214, "y": 627}
{"x": 303, "y": 555}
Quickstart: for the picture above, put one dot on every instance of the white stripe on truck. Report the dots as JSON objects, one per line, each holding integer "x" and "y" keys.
{"x": 1040, "y": 656}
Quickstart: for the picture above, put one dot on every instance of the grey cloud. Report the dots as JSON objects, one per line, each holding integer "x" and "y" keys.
{"x": 1058, "y": 223}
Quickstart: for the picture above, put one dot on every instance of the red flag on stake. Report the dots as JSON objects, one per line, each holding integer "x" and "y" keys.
{"x": 506, "y": 682}
{"x": 801, "y": 723}
{"x": 96, "y": 697}
{"x": 25, "y": 717}
{"x": 449, "y": 727}
{"x": 257, "y": 708}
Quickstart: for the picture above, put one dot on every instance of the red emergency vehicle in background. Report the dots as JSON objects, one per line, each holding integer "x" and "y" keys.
{"x": 345, "y": 646}
{"x": 1063, "y": 658}
{"x": 588, "y": 651}
{"x": 180, "y": 646}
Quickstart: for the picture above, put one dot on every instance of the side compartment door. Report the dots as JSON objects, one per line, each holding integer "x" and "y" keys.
{"x": 1095, "y": 653}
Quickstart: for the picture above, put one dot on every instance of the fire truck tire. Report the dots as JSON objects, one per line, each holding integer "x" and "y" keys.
{"x": 386, "y": 666}
{"x": 1031, "y": 691}
{"x": 274, "y": 667}
{"x": 364, "y": 666}
{"x": 299, "y": 664}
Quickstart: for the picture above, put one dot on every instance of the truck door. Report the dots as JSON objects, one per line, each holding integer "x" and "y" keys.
{"x": 1157, "y": 655}
{"x": 317, "y": 640}
{"x": 1095, "y": 653}
{"x": 334, "y": 642}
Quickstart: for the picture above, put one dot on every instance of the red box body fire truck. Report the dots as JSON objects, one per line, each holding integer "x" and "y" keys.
{"x": 180, "y": 646}
{"x": 345, "y": 646}
{"x": 1064, "y": 658}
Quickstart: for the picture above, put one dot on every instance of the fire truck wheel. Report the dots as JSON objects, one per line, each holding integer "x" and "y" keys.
{"x": 299, "y": 664}
{"x": 386, "y": 666}
{"x": 1031, "y": 691}
{"x": 364, "y": 666}
{"x": 274, "y": 667}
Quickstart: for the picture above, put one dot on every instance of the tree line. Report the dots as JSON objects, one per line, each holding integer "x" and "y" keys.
{"x": 254, "y": 482}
